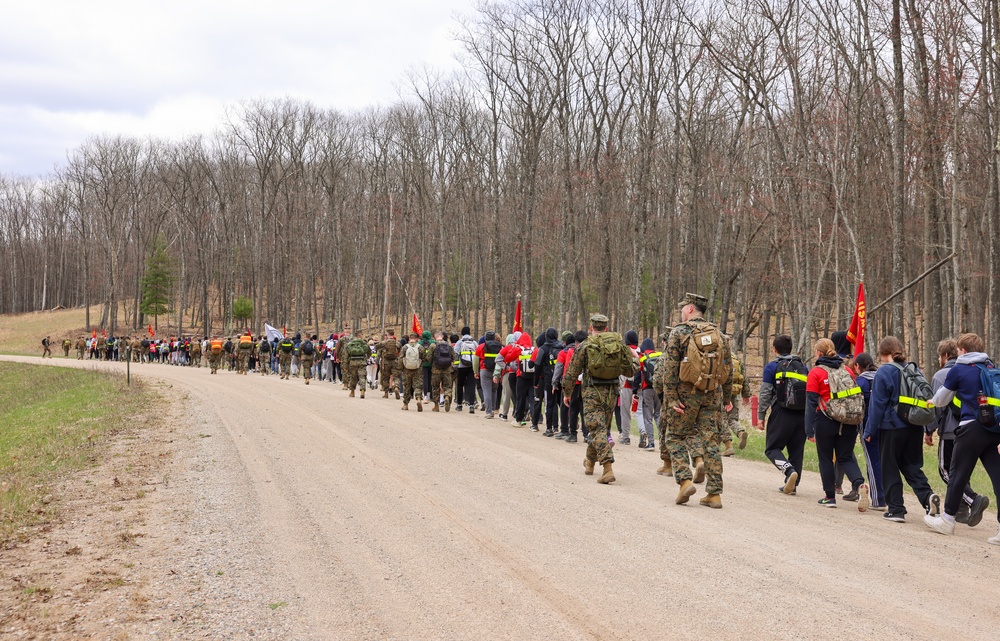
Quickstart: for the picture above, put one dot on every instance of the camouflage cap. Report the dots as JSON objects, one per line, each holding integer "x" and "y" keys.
{"x": 598, "y": 318}
{"x": 693, "y": 299}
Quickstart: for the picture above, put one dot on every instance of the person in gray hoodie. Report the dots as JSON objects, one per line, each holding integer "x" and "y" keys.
{"x": 971, "y": 509}
{"x": 975, "y": 440}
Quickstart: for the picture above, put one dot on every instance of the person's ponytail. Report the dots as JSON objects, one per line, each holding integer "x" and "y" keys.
{"x": 824, "y": 347}
{"x": 891, "y": 346}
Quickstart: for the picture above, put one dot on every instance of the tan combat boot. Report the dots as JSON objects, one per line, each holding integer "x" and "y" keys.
{"x": 397, "y": 394}
{"x": 729, "y": 451}
{"x": 608, "y": 476}
{"x": 351, "y": 394}
{"x": 686, "y": 492}
{"x": 712, "y": 500}
{"x": 743, "y": 439}
{"x": 666, "y": 469}
{"x": 699, "y": 466}
{"x": 447, "y": 405}
{"x": 420, "y": 406}
{"x": 307, "y": 381}
{"x": 406, "y": 406}
{"x": 385, "y": 394}
{"x": 362, "y": 392}
{"x": 588, "y": 466}
{"x": 436, "y": 408}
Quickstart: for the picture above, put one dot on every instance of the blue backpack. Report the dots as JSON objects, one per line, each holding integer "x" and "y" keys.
{"x": 989, "y": 413}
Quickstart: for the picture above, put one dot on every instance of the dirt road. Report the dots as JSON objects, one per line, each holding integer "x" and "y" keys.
{"x": 373, "y": 523}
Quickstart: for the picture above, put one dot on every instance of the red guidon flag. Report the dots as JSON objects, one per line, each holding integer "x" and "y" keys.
{"x": 151, "y": 332}
{"x": 95, "y": 334}
{"x": 856, "y": 333}
{"x": 517, "y": 318}
{"x": 417, "y": 329}
{"x": 104, "y": 332}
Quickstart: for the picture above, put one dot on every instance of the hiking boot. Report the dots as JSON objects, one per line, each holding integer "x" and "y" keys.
{"x": 713, "y": 501}
{"x": 939, "y": 524}
{"x": 979, "y": 505}
{"x": 547, "y": 432}
{"x": 729, "y": 451}
{"x": 686, "y": 491}
{"x": 743, "y": 439}
{"x": 790, "y": 481}
{"x": 934, "y": 506}
{"x": 608, "y": 476}
{"x": 642, "y": 441}
{"x": 864, "y": 499}
{"x": 666, "y": 469}
{"x": 699, "y": 470}
{"x": 571, "y": 438}
{"x": 351, "y": 394}
{"x": 825, "y": 502}
{"x": 588, "y": 466}
{"x": 436, "y": 408}
{"x": 420, "y": 406}
{"x": 397, "y": 395}
{"x": 362, "y": 392}
{"x": 385, "y": 394}
{"x": 447, "y": 406}
{"x": 406, "y": 406}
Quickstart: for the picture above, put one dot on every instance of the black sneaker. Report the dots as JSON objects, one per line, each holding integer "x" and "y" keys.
{"x": 895, "y": 517}
{"x": 852, "y": 495}
{"x": 502, "y": 417}
{"x": 562, "y": 435}
{"x": 533, "y": 428}
{"x": 571, "y": 438}
{"x": 458, "y": 408}
{"x": 547, "y": 433}
{"x": 963, "y": 514}
{"x": 979, "y": 506}
{"x": 825, "y": 502}
{"x": 472, "y": 410}
{"x": 625, "y": 440}
{"x": 781, "y": 489}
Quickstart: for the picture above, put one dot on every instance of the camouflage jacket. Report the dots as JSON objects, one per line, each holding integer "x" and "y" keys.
{"x": 666, "y": 377}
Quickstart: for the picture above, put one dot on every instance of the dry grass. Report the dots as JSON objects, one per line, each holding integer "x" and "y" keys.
{"x": 23, "y": 333}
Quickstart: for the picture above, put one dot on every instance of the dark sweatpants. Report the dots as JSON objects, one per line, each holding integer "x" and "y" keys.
{"x": 576, "y": 412}
{"x": 465, "y": 385}
{"x": 524, "y": 388}
{"x": 946, "y": 454}
{"x": 902, "y": 452}
{"x": 973, "y": 443}
{"x": 786, "y": 431}
{"x": 835, "y": 439}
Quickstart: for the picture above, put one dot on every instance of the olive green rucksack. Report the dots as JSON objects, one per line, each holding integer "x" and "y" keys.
{"x": 608, "y": 357}
{"x": 357, "y": 349}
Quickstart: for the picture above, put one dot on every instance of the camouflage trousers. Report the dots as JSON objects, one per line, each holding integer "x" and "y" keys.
{"x": 242, "y": 358}
{"x": 306, "y": 362}
{"x": 385, "y": 372}
{"x": 264, "y": 363}
{"x": 692, "y": 434}
{"x": 213, "y": 361}
{"x": 728, "y": 424}
{"x": 196, "y": 359}
{"x": 442, "y": 382}
{"x": 354, "y": 374}
{"x": 413, "y": 384}
{"x": 285, "y": 364}
{"x": 599, "y": 403}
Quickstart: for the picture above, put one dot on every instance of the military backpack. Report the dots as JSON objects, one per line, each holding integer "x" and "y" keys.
{"x": 411, "y": 357}
{"x": 702, "y": 363}
{"x": 608, "y": 357}
{"x": 307, "y": 347}
{"x": 390, "y": 349}
{"x": 357, "y": 349}
{"x": 441, "y": 356}
{"x": 846, "y": 404}
{"x": 286, "y": 346}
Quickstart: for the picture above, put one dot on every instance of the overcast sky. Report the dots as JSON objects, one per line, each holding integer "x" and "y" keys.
{"x": 71, "y": 69}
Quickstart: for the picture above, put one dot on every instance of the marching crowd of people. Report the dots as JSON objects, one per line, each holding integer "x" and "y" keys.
{"x": 679, "y": 388}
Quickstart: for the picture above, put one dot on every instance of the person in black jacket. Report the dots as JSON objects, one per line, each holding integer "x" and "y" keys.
{"x": 545, "y": 365}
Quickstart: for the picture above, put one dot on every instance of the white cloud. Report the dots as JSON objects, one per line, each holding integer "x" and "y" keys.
{"x": 74, "y": 69}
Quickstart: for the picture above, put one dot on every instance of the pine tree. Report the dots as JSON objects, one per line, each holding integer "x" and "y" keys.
{"x": 156, "y": 282}
{"x": 242, "y": 309}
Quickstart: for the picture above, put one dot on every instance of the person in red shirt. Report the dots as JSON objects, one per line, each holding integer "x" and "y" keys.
{"x": 831, "y": 438}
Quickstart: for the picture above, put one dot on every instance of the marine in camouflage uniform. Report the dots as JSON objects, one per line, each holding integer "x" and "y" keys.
{"x": 284, "y": 359}
{"x": 354, "y": 368}
{"x": 243, "y": 352}
{"x": 388, "y": 359}
{"x": 729, "y": 422}
{"x": 306, "y": 361}
{"x": 412, "y": 380}
{"x": 599, "y": 402}
{"x": 442, "y": 379}
{"x": 66, "y": 344}
{"x": 263, "y": 356}
{"x": 691, "y": 435}
{"x": 195, "y": 352}
{"x": 81, "y": 348}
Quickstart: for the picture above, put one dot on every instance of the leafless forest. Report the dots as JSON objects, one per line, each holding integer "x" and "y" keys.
{"x": 592, "y": 155}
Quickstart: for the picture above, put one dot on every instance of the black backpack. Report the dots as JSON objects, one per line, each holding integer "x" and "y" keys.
{"x": 790, "y": 384}
{"x": 265, "y": 347}
{"x": 491, "y": 349}
{"x": 442, "y": 355}
{"x": 287, "y": 346}
{"x": 307, "y": 347}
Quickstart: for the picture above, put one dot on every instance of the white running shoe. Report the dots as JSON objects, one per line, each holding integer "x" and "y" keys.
{"x": 863, "y": 498}
{"x": 995, "y": 540}
{"x": 939, "y": 525}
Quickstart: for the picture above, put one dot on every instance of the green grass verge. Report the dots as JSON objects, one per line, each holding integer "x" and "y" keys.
{"x": 51, "y": 418}
{"x": 810, "y": 461}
